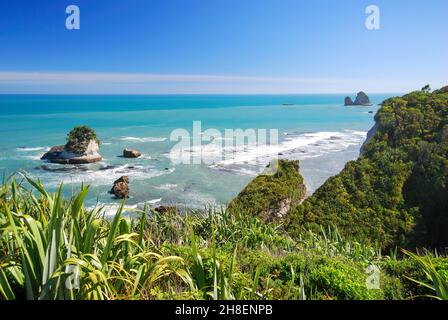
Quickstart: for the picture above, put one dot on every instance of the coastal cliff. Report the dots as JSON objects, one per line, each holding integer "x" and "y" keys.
{"x": 370, "y": 134}
{"x": 396, "y": 192}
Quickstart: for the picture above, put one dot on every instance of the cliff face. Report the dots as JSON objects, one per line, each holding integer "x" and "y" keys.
{"x": 396, "y": 193}
{"x": 271, "y": 195}
{"x": 370, "y": 134}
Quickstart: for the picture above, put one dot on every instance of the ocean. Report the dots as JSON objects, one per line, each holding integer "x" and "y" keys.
{"x": 316, "y": 129}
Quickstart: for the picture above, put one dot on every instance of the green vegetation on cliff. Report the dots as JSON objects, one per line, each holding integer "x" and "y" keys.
{"x": 271, "y": 194}
{"x": 267, "y": 244}
{"x": 396, "y": 192}
{"x": 79, "y": 138}
{"x": 55, "y": 248}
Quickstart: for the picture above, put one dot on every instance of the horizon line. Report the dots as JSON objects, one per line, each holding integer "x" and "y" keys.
{"x": 197, "y": 94}
{"x": 134, "y": 84}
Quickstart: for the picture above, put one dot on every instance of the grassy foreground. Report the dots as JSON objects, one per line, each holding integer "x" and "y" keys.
{"x": 55, "y": 248}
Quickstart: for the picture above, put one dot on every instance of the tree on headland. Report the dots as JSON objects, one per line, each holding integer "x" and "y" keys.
{"x": 426, "y": 89}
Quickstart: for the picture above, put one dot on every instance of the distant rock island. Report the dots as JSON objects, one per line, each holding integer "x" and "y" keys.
{"x": 361, "y": 100}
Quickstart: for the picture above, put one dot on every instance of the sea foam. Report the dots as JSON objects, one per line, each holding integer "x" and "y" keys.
{"x": 294, "y": 146}
{"x": 30, "y": 149}
{"x": 143, "y": 139}
{"x": 101, "y": 177}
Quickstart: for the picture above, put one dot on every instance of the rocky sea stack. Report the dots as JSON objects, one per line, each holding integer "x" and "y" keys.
{"x": 361, "y": 100}
{"x": 121, "y": 188}
{"x": 82, "y": 147}
{"x": 348, "y": 101}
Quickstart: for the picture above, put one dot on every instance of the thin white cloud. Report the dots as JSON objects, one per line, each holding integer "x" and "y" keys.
{"x": 25, "y": 82}
{"x": 133, "y": 78}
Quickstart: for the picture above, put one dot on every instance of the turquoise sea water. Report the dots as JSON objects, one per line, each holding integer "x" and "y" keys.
{"x": 316, "y": 129}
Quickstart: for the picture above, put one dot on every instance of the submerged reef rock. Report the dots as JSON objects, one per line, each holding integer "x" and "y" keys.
{"x": 53, "y": 153}
{"x": 271, "y": 195}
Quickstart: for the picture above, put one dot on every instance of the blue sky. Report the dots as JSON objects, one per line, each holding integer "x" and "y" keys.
{"x": 222, "y": 46}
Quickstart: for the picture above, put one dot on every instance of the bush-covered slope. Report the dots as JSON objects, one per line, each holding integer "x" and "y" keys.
{"x": 271, "y": 195}
{"x": 55, "y": 248}
{"x": 396, "y": 192}
{"x": 79, "y": 138}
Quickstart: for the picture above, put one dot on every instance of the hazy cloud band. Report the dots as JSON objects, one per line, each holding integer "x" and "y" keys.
{"x": 104, "y": 77}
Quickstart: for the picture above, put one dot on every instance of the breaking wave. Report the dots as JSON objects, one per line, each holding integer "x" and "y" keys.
{"x": 298, "y": 146}
{"x": 143, "y": 139}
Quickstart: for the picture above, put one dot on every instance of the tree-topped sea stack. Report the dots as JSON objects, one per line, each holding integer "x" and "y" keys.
{"x": 82, "y": 147}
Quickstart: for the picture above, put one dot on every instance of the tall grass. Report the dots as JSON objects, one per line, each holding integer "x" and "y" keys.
{"x": 437, "y": 280}
{"x": 56, "y": 249}
{"x": 330, "y": 243}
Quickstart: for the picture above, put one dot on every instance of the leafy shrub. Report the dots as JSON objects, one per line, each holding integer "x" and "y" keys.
{"x": 339, "y": 279}
{"x": 189, "y": 255}
{"x": 268, "y": 193}
{"x": 435, "y": 275}
{"x": 44, "y": 239}
{"x": 78, "y": 139}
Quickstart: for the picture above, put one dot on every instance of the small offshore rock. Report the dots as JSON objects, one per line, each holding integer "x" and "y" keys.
{"x": 131, "y": 153}
{"x": 121, "y": 188}
{"x": 165, "y": 209}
